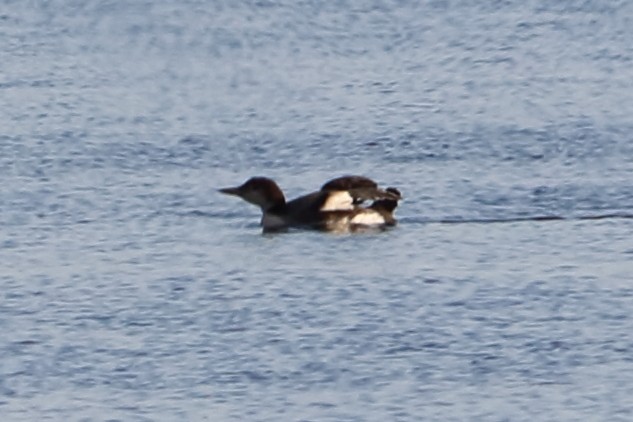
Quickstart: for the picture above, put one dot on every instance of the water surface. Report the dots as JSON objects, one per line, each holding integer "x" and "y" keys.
{"x": 132, "y": 290}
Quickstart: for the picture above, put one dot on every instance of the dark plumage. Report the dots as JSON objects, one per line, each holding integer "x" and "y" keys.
{"x": 338, "y": 206}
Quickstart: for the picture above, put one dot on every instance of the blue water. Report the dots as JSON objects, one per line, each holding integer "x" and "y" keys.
{"x": 132, "y": 290}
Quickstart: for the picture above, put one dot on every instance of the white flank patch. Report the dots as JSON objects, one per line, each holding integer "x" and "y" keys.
{"x": 368, "y": 218}
{"x": 338, "y": 201}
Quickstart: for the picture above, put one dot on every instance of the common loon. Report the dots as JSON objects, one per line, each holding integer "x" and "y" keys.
{"x": 338, "y": 206}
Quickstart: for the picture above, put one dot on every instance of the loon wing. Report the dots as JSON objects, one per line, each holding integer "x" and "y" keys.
{"x": 361, "y": 189}
{"x": 349, "y": 182}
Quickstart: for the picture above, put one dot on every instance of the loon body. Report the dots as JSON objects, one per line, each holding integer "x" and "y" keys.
{"x": 338, "y": 206}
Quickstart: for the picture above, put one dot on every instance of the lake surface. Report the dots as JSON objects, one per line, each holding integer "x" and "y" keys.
{"x": 133, "y": 291}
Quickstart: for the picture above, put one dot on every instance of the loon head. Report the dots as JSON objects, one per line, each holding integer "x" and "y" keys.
{"x": 260, "y": 191}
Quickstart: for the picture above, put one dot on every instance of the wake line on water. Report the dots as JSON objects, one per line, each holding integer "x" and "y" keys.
{"x": 456, "y": 220}
{"x": 536, "y": 218}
